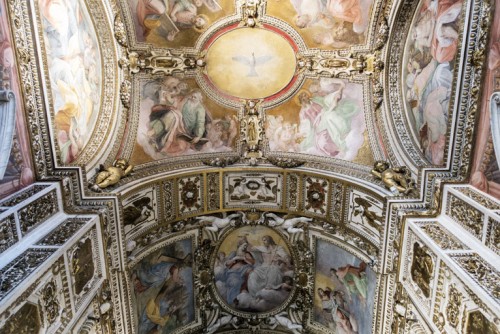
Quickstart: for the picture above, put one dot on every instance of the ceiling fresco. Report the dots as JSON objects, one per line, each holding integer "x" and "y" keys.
{"x": 428, "y": 73}
{"x": 250, "y": 77}
{"x": 16, "y": 170}
{"x": 249, "y": 166}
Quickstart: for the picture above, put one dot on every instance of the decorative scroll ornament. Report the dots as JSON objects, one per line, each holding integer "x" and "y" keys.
{"x": 398, "y": 179}
{"x": 285, "y": 162}
{"x": 252, "y": 129}
{"x": 221, "y": 162}
{"x": 382, "y": 34}
{"x": 120, "y": 31}
{"x": 251, "y": 10}
{"x": 337, "y": 65}
{"x": 125, "y": 93}
{"x": 161, "y": 61}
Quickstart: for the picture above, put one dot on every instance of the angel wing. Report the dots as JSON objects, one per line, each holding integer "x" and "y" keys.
{"x": 262, "y": 59}
{"x": 242, "y": 59}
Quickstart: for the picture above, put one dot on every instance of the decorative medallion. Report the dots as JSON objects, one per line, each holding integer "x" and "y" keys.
{"x": 254, "y": 270}
{"x": 251, "y": 63}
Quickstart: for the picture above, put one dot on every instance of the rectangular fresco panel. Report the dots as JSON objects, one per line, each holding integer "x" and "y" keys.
{"x": 15, "y": 158}
{"x": 177, "y": 119}
{"x": 325, "y": 119}
{"x": 485, "y": 171}
{"x": 74, "y": 65}
{"x": 344, "y": 290}
{"x": 326, "y": 24}
{"x": 175, "y": 23}
{"x": 429, "y": 64}
{"x": 163, "y": 289}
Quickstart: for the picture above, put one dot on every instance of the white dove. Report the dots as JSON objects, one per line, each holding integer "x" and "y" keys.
{"x": 218, "y": 223}
{"x": 252, "y": 62}
{"x": 287, "y": 224}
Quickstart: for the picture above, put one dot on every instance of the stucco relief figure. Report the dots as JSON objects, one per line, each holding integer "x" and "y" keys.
{"x": 137, "y": 212}
{"x": 283, "y": 320}
{"x": 113, "y": 174}
{"x": 397, "y": 179}
{"x": 288, "y": 224}
{"x": 252, "y": 187}
{"x": 422, "y": 268}
{"x": 362, "y": 206}
{"x": 257, "y": 276}
{"x": 218, "y": 223}
{"x": 429, "y": 73}
{"x": 73, "y": 60}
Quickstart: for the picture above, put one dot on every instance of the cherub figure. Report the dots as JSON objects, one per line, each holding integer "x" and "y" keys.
{"x": 363, "y": 207}
{"x": 282, "y": 320}
{"x": 113, "y": 174}
{"x": 287, "y": 224}
{"x": 218, "y": 223}
{"x": 397, "y": 179}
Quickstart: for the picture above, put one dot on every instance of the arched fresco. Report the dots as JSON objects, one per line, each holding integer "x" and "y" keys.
{"x": 428, "y": 67}
{"x": 16, "y": 169}
{"x": 485, "y": 170}
{"x": 74, "y": 66}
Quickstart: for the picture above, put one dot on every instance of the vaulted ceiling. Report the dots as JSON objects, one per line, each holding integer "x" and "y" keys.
{"x": 254, "y": 159}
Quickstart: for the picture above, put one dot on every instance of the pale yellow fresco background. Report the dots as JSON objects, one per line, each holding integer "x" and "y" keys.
{"x": 231, "y": 76}
{"x": 290, "y": 113}
{"x": 187, "y": 37}
{"x": 254, "y": 236}
{"x": 216, "y": 111}
{"x": 283, "y": 9}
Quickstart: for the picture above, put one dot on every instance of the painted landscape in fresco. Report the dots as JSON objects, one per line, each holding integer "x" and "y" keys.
{"x": 326, "y": 24}
{"x": 177, "y": 119}
{"x": 175, "y": 23}
{"x": 326, "y": 119}
{"x": 344, "y": 291}
{"x": 75, "y": 66}
{"x": 163, "y": 289}
{"x": 16, "y": 170}
{"x": 253, "y": 270}
{"x": 485, "y": 169}
{"x": 428, "y": 73}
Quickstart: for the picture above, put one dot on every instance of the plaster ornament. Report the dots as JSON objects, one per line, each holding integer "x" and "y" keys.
{"x": 397, "y": 180}
{"x": 218, "y": 223}
{"x": 287, "y": 224}
{"x": 281, "y": 319}
{"x": 112, "y": 175}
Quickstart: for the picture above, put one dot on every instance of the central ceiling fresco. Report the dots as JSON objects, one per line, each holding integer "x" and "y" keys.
{"x": 253, "y": 75}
